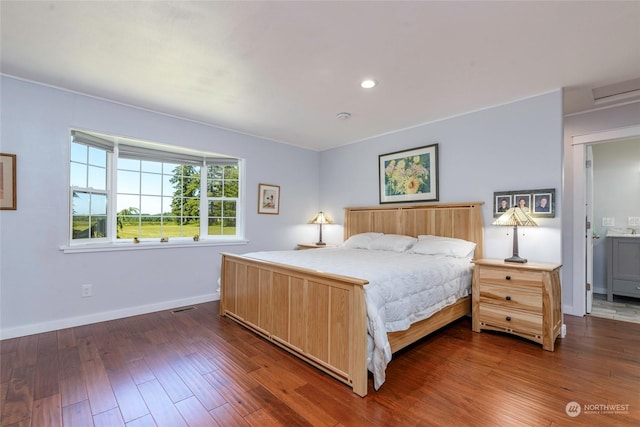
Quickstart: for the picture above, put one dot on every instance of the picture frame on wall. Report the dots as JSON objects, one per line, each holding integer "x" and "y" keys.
{"x": 538, "y": 203}
{"x": 268, "y": 199}
{"x": 409, "y": 175}
{"x": 8, "y": 197}
{"x": 502, "y": 201}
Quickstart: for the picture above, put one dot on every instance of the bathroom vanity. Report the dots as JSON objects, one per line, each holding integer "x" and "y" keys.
{"x": 623, "y": 265}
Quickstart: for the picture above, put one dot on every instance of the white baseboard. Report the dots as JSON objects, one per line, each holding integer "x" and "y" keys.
{"x": 71, "y": 322}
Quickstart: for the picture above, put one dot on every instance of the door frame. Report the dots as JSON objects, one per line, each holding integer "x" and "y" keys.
{"x": 579, "y": 144}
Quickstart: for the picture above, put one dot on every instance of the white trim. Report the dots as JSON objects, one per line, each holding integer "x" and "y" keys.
{"x": 144, "y": 245}
{"x": 617, "y": 134}
{"x": 104, "y": 316}
{"x": 579, "y": 143}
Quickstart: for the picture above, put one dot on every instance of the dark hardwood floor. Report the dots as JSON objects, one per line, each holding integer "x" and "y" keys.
{"x": 197, "y": 369}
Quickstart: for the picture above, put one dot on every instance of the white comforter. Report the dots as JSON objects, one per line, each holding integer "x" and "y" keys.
{"x": 403, "y": 288}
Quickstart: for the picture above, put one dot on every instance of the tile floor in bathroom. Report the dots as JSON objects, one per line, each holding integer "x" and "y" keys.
{"x": 621, "y": 308}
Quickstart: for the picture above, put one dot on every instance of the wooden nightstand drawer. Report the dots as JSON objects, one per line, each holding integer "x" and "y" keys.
{"x": 504, "y": 276}
{"x": 511, "y": 320}
{"x": 520, "y": 299}
{"x": 529, "y": 299}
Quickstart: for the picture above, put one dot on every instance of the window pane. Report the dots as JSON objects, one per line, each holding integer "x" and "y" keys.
{"x": 78, "y": 175}
{"x": 168, "y": 168}
{"x": 191, "y": 187}
{"x": 149, "y": 166}
{"x": 229, "y": 209}
{"x": 150, "y": 205}
{"x": 128, "y": 182}
{"x": 80, "y": 203}
{"x": 215, "y": 208}
{"x": 167, "y": 185}
{"x": 126, "y": 201}
{"x": 99, "y": 204}
{"x": 230, "y": 188}
{"x": 151, "y": 184}
{"x": 79, "y": 152}
{"x": 80, "y": 227}
{"x": 97, "y": 178}
{"x": 231, "y": 172}
{"x": 214, "y": 188}
{"x": 128, "y": 226}
{"x": 128, "y": 164}
{"x": 97, "y": 157}
{"x": 166, "y": 205}
{"x": 99, "y": 226}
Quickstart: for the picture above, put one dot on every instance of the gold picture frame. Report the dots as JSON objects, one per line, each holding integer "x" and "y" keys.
{"x": 8, "y": 181}
{"x": 268, "y": 199}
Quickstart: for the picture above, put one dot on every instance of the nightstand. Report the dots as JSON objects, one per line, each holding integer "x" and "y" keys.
{"x": 313, "y": 246}
{"x": 519, "y": 299}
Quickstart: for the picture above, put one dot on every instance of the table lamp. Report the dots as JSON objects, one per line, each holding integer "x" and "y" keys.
{"x": 515, "y": 217}
{"x": 321, "y": 218}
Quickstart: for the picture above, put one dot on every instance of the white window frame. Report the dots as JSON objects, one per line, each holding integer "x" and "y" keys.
{"x": 170, "y": 154}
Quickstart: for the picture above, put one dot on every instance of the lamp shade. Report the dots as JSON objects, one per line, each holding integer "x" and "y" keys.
{"x": 515, "y": 217}
{"x": 321, "y": 218}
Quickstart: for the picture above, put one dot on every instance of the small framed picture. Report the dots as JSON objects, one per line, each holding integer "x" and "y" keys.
{"x": 268, "y": 199}
{"x": 543, "y": 203}
{"x": 501, "y": 203}
{"x": 523, "y": 201}
{"x": 8, "y": 181}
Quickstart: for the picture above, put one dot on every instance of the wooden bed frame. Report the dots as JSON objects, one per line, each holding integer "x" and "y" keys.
{"x": 321, "y": 317}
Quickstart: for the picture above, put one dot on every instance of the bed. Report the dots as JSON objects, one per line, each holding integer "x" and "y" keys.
{"x": 321, "y": 316}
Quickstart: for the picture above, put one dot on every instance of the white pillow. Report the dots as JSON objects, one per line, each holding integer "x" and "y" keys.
{"x": 361, "y": 241}
{"x": 449, "y": 246}
{"x": 393, "y": 242}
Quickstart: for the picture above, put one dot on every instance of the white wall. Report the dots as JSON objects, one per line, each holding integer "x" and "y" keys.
{"x": 616, "y": 194}
{"x": 509, "y": 147}
{"x": 605, "y": 121}
{"x": 40, "y": 285}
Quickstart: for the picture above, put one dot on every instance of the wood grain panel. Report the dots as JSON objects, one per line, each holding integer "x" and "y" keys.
{"x": 279, "y": 308}
{"x": 298, "y": 322}
{"x": 318, "y": 320}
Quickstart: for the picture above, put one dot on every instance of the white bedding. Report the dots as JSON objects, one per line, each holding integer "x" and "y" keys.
{"x": 403, "y": 288}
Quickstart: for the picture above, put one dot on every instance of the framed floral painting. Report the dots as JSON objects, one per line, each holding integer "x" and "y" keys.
{"x": 410, "y": 175}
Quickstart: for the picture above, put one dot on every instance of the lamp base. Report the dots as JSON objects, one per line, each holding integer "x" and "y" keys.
{"x": 320, "y": 244}
{"x": 515, "y": 259}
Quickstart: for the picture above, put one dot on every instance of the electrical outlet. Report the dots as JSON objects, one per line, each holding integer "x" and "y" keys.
{"x": 634, "y": 220}
{"x": 87, "y": 290}
{"x": 608, "y": 222}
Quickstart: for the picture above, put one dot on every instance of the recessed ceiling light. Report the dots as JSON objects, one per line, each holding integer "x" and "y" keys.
{"x": 368, "y": 84}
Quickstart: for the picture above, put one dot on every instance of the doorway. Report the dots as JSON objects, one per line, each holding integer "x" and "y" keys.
{"x": 596, "y": 220}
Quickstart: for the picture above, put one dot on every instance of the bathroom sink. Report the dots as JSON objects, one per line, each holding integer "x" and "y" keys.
{"x": 616, "y": 234}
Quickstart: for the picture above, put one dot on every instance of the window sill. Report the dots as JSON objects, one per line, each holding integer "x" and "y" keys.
{"x": 130, "y": 246}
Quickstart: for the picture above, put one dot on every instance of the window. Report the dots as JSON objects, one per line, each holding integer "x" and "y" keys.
{"x": 123, "y": 190}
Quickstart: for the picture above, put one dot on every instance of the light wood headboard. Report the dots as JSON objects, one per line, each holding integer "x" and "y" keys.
{"x": 459, "y": 220}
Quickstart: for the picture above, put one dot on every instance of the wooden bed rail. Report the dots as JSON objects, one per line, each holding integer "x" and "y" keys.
{"x": 273, "y": 300}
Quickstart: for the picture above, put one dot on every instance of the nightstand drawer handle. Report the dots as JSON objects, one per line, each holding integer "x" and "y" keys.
{"x": 508, "y": 277}
{"x": 508, "y": 298}
{"x": 508, "y": 318}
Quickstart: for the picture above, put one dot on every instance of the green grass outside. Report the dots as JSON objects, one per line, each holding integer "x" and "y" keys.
{"x": 152, "y": 230}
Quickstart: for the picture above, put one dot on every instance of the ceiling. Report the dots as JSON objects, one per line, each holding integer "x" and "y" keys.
{"x": 284, "y": 70}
